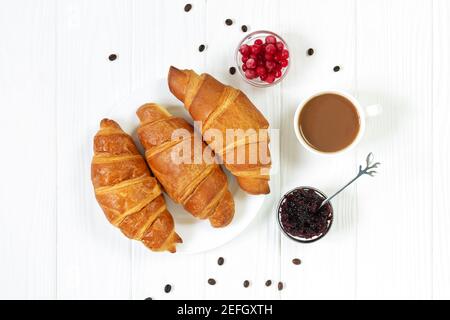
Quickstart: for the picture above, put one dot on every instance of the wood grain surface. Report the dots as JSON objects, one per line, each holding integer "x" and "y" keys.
{"x": 390, "y": 236}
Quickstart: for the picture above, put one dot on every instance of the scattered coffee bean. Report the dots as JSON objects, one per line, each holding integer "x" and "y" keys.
{"x": 296, "y": 261}
{"x": 149, "y": 298}
{"x": 211, "y": 281}
{"x": 268, "y": 283}
{"x": 220, "y": 261}
{"x": 112, "y": 57}
{"x": 280, "y": 286}
{"x": 244, "y": 28}
{"x": 201, "y": 48}
{"x": 228, "y": 22}
{"x": 246, "y": 284}
{"x": 188, "y": 7}
{"x": 167, "y": 288}
{"x": 310, "y": 51}
{"x": 337, "y": 69}
{"x": 232, "y": 70}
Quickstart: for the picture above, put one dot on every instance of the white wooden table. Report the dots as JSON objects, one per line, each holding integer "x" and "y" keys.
{"x": 391, "y": 234}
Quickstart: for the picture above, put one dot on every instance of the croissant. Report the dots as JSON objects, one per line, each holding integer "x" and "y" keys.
{"x": 129, "y": 196}
{"x": 199, "y": 185}
{"x": 220, "y": 108}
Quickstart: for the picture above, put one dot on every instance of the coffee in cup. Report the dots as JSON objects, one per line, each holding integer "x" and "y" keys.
{"x": 330, "y": 122}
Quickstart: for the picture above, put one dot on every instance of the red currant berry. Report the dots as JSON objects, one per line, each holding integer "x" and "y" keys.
{"x": 284, "y": 55}
{"x": 268, "y": 57}
{"x": 270, "y": 78}
{"x": 270, "y": 65}
{"x": 278, "y": 74}
{"x": 260, "y": 71}
{"x": 244, "y": 59}
{"x": 258, "y": 42}
{"x": 280, "y": 46}
{"x": 271, "y": 39}
{"x": 244, "y": 50}
{"x": 251, "y": 63}
{"x": 244, "y": 67}
{"x": 250, "y": 74}
{"x": 271, "y": 49}
{"x": 284, "y": 63}
{"x": 256, "y": 49}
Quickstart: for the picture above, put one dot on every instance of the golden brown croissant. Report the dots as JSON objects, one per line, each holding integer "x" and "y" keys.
{"x": 221, "y": 108}
{"x": 129, "y": 196}
{"x": 200, "y": 186}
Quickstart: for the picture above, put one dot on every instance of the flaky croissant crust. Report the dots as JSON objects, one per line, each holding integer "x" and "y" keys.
{"x": 201, "y": 187}
{"x": 222, "y": 107}
{"x": 129, "y": 196}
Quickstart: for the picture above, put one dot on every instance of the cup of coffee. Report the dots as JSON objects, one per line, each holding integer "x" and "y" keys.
{"x": 331, "y": 122}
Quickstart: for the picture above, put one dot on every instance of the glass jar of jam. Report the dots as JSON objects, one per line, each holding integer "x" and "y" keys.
{"x": 300, "y": 216}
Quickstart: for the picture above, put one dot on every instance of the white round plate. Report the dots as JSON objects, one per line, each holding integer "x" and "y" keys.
{"x": 198, "y": 235}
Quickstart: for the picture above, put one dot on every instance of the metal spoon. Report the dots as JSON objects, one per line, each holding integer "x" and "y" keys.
{"x": 369, "y": 170}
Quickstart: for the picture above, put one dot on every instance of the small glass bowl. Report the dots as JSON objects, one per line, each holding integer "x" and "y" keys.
{"x": 249, "y": 40}
{"x": 299, "y": 239}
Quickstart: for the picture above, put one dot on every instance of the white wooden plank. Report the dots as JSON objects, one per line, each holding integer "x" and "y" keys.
{"x": 394, "y": 68}
{"x": 390, "y": 236}
{"x": 93, "y": 256}
{"x": 253, "y": 256}
{"x": 163, "y": 35}
{"x": 27, "y": 190}
{"x": 441, "y": 150}
{"x": 328, "y": 266}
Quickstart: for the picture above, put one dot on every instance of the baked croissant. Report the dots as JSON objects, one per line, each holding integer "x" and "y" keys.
{"x": 220, "y": 108}
{"x": 199, "y": 185}
{"x": 129, "y": 196}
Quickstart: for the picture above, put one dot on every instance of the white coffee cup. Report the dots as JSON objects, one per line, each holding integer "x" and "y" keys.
{"x": 363, "y": 113}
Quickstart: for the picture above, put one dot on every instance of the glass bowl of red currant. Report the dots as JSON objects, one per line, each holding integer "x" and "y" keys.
{"x": 263, "y": 59}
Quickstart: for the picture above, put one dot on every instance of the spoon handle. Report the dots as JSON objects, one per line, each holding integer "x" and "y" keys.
{"x": 369, "y": 170}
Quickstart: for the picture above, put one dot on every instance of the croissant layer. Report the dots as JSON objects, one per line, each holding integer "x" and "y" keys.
{"x": 129, "y": 196}
{"x": 200, "y": 186}
{"x": 223, "y": 108}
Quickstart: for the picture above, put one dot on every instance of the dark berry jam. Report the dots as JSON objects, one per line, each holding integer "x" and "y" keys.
{"x": 300, "y": 216}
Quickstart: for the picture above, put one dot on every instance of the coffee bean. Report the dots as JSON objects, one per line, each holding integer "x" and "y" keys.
{"x": 112, "y": 57}
{"x": 211, "y": 281}
{"x": 188, "y": 7}
{"x": 149, "y": 298}
{"x": 246, "y": 284}
{"x": 296, "y": 261}
{"x": 336, "y": 69}
{"x": 232, "y": 70}
{"x": 201, "y": 48}
{"x": 310, "y": 51}
{"x": 280, "y": 286}
{"x": 220, "y": 261}
{"x": 228, "y": 22}
{"x": 244, "y": 28}
{"x": 167, "y": 288}
{"x": 268, "y": 283}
